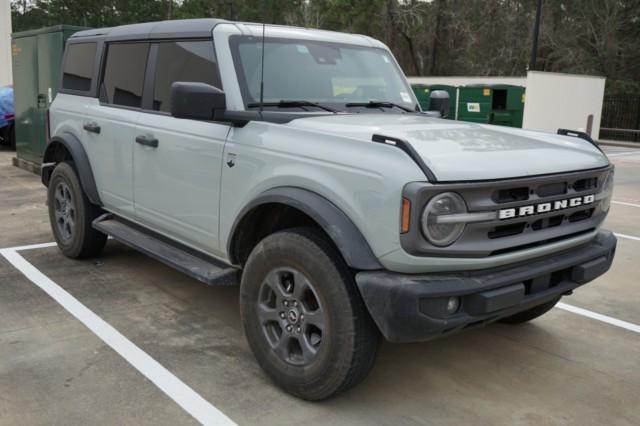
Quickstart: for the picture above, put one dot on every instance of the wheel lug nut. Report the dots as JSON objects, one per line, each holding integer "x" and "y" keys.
{"x": 286, "y": 303}
{"x": 298, "y": 329}
{"x": 295, "y": 303}
{"x": 282, "y": 315}
{"x": 289, "y": 328}
{"x": 301, "y": 317}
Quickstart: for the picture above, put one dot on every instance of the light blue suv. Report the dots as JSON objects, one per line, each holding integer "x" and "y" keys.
{"x": 298, "y": 163}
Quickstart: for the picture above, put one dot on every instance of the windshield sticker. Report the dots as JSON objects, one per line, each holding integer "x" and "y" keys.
{"x": 473, "y": 107}
{"x": 405, "y": 97}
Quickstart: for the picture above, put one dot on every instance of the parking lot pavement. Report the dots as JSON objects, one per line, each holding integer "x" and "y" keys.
{"x": 563, "y": 368}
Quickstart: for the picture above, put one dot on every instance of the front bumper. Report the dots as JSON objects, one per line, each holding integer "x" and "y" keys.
{"x": 411, "y": 308}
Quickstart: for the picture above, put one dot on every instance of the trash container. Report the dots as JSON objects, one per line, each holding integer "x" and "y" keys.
{"x": 499, "y": 104}
{"x": 507, "y": 105}
{"x": 37, "y": 58}
{"x": 422, "y": 94}
{"x": 474, "y": 103}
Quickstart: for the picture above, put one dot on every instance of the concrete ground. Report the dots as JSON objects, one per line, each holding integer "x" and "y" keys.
{"x": 562, "y": 368}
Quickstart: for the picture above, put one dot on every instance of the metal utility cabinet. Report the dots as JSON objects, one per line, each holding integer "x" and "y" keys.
{"x": 37, "y": 59}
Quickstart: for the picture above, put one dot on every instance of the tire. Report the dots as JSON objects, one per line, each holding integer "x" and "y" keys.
{"x": 530, "y": 314}
{"x": 335, "y": 346}
{"x": 71, "y": 214}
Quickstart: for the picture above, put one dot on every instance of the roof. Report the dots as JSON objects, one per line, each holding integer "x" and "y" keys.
{"x": 185, "y": 28}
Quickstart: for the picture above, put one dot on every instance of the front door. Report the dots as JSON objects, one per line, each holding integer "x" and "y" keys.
{"x": 177, "y": 162}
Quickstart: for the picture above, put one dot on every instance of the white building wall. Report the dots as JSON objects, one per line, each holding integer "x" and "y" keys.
{"x": 555, "y": 100}
{"x": 5, "y": 43}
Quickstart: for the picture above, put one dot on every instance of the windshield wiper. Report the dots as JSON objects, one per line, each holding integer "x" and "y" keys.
{"x": 377, "y": 104}
{"x": 288, "y": 104}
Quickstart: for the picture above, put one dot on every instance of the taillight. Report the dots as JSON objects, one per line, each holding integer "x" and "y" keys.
{"x": 47, "y": 128}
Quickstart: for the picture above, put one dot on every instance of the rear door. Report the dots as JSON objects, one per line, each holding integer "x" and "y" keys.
{"x": 110, "y": 124}
{"x": 177, "y": 175}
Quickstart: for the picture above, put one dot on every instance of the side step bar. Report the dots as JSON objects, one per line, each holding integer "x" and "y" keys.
{"x": 207, "y": 270}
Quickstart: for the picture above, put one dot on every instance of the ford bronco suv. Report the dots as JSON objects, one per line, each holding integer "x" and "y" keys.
{"x": 298, "y": 163}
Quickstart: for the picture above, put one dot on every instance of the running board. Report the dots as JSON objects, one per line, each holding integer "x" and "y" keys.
{"x": 209, "y": 271}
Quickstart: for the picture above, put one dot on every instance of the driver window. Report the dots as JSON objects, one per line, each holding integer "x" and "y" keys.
{"x": 192, "y": 61}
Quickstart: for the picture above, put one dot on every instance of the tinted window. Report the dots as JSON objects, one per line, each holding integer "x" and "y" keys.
{"x": 78, "y": 66}
{"x": 183, "y": 61}
{"x": 124, "y": 74}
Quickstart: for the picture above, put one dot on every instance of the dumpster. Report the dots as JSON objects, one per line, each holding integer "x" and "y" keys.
{"x": 507, "y": 105}
{"x": 37, "y": 58}
{"x": 492, "y": 104}
{"x": 422, "y": 92}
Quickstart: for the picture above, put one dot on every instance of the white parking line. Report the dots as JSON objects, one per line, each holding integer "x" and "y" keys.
{"x": 623, "y": 154}
{"x": 194, "y": 404}
{"x": 622, "y": 203}
{"x": 604, "y": 318}
{"x": 628, "y": 237}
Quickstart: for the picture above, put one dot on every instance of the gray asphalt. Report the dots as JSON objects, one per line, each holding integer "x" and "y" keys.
{"x": 562, "y": 368}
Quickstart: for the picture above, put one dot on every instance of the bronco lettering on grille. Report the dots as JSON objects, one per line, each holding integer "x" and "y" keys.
{"x": 545, "y": 207}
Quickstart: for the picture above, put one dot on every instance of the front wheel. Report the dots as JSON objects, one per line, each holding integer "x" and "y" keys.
{"x": 303, "y": 316}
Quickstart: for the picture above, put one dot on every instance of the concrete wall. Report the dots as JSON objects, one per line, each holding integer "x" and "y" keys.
{"x": 5, "y": 43}
{"x": 463, "y": 81}
{"x": 555, "y": 100}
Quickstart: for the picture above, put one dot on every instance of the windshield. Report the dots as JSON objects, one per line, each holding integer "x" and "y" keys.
{"x": 330, "y": 74}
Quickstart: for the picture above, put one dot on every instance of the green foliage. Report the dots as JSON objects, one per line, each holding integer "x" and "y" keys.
{"x": 428, "y": 37}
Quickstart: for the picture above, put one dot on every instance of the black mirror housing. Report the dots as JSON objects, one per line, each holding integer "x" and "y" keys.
{"x": 439, "y": 101}
{"x": 196, "y": 101}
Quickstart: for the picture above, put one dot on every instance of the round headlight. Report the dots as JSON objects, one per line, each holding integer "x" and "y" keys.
{"x": 441, "y": 233}
{"x": 607, "y": 192}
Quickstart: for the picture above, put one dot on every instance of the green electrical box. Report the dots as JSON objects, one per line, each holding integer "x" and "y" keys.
{"x": 500, "y": 104}
{"x": 422, "y": 92}
{"x": 37, "y": 59}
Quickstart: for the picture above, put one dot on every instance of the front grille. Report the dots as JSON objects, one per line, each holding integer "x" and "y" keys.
{"x": 497, "y": 236}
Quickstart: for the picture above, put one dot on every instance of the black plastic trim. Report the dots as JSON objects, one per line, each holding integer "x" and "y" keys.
{"x": 412, "y": 308}
{"x": 409, "y": 150}
{"x": 346, "y": 236}
{"x": 80, "y": 160}
{"x": 581, "y": 135}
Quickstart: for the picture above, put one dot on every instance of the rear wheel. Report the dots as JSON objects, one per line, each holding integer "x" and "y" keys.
{"x": 530, "y": 314}
{"x": 303, "y": 317}
{"x": 71, "y": 214}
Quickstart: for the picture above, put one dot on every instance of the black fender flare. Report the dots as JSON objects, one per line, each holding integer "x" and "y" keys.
{"x": 343, "y": 232}
{"x": 80, "y": 160}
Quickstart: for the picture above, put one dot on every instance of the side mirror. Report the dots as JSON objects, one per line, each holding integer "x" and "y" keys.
{"x": 439, "y": 101}
{"x": 197, "y": 101}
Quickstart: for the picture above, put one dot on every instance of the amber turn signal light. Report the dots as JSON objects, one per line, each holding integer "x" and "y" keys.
{"x": 406, "y": 215}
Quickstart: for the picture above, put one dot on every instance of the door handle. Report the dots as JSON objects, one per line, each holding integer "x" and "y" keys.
{"x": 147, "y": 141}
{"x": 92, "y": 127}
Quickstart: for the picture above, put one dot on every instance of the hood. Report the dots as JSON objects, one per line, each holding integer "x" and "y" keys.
{"x": 461, "y": 151}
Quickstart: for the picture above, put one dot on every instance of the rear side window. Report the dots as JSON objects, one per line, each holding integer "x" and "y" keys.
{"x": 124, "y": 74}
{"x": 78, "y": 67}
{"x": 192, "y": 61}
